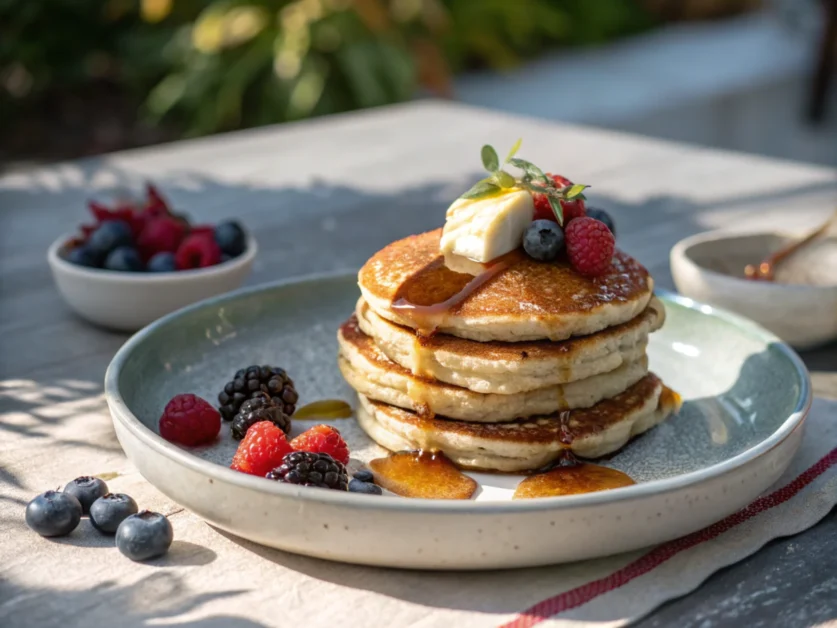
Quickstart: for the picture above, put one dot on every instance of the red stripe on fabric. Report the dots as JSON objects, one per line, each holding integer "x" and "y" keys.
{"x": 656, "y": 557}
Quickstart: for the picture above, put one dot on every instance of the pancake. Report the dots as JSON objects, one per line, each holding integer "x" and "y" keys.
{"x": 510, "y": 368}
{"x": 373, "y": 375}
{"x": 527, "y": 444}
{"x": 518, "y": 298}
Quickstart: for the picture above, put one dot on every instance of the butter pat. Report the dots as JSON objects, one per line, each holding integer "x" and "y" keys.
{"x": 484, "y": 229}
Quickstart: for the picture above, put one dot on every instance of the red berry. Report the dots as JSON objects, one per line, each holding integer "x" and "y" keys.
{"x": 261, "y": 450}
{"x": 198, "y": 250}
{"x": 572, "y": 209}
{"x": 155, "y": 204}
{"x": 203, "y": 230}
{"x": 189, "y": 420}
{"x": 160, "y": 235}
{"x": 323, "y": 439}
{"x": 590, "y": 246}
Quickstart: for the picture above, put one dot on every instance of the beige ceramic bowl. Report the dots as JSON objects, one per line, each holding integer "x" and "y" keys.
{"x": 129, "y": 301}
{"x": 709, "y": 267}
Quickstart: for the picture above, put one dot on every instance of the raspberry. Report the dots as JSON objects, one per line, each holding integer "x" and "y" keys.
{"x": 323, "y": 439}
{"x": 189, "y": 420}
{"x": 590, "y": 246}
{"x": 197, "y": 251}
{"x": 572, "y": 209}
{"x": 263, "y": 449}
{"x": 160, "y": 235}
{"x": 155, "y": 204}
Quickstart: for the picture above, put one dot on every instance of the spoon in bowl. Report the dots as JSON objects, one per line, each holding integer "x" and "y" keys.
{"x": 766, "y": 269}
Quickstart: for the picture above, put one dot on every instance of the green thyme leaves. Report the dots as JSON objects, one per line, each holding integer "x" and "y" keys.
{"x": 533, "y": 180}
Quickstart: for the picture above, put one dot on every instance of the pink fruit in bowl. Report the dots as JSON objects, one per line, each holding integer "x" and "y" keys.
{"x": 198, "y": 250}
{"x": 160, "y": 235}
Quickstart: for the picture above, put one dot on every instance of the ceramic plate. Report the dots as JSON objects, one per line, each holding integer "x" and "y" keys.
{"x": 746, "y": 395}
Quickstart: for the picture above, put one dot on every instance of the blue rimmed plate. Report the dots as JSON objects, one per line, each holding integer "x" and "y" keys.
{"x": 746, "y": 396}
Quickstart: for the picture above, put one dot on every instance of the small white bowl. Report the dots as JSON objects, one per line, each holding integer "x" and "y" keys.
{"x": 128, "y": 301}
{"x": 709, "y": 267}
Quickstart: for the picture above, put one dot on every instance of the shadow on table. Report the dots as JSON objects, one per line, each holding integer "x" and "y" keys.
{"x": 159, "y": 596}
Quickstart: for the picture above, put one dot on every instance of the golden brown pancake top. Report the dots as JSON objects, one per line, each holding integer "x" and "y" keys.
{"x": 413, "y": 269}
{"x": 545, "y": 429}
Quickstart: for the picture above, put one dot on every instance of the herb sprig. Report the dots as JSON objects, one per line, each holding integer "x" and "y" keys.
{"x": 533, "y": 179}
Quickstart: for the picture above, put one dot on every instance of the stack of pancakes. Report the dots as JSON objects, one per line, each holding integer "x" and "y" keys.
{"x": 505, "y": 370}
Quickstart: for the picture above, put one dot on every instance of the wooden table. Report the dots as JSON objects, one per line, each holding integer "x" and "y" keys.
{"x": 322, "y": 196}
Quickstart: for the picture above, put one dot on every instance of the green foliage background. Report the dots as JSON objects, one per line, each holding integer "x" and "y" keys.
{"x": 203, "y": 66}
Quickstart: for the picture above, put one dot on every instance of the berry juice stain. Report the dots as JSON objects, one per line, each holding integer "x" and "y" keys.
{"x": 422, "y": 474}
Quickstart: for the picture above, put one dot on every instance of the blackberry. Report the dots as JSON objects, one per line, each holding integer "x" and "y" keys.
{"x": 261, "y": 408}
{"x": 252, "y": 382}
{"x": 308, "y": 469}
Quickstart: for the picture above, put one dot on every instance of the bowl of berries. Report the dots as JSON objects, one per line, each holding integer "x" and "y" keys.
{"x": 140, "y": 260}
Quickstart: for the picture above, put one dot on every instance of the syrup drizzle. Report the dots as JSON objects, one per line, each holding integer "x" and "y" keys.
{"x": 564, "y": 433}
{"x": 569, "y": 476}
{"x": 422, "y": 474}
{"x": 427, "y": 297}
{"x": 324, "y": 409}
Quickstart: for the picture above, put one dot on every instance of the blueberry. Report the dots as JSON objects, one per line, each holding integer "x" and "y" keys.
{"x": 226, "y": 258}
{"x": 144, "y": 535}
{"x": 161, "y": 263}
{"x": 125, "y": 258}
{"x": 53, "y": 514}
{"x": 86, "y": 490}
{"x": 107, "y": 512}
{"x": 358, "y": 486}
{"x": 108, "y": 236}
{"x": 83, "y": 256}
{"x": 230, "y": 237}
{"x": 364, "y": 475}
{"x": 602, "y": 215}
{"x": 543, "y": 240}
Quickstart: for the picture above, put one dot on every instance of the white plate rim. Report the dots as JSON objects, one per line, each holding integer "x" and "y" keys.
{"x": 121, "y": 413}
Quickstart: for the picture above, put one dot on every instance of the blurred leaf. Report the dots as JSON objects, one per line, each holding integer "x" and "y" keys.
{"x": 374, "y": 14}
{"x": 208, "y": 65}
{"x": 504, "y": 179}
{"x": 433, "y": 71}
{"x": 155, "y": 10}
{"x": 481, "y": 189}
{"x": 513, "y": 150}
{"x": 529, "y": 168}
{"x": 576, "y": 190}
{"x": 166, "y": 95}
{"x": 490, "y": 161}
{"x": 308, "y": 89}
{"x": 555, "y": 204}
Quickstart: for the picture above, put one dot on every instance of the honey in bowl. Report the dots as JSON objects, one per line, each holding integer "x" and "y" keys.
{"x": 422, "y": 474}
